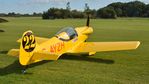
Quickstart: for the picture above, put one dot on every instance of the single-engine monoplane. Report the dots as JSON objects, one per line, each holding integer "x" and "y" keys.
{"x": 68, "y": 40}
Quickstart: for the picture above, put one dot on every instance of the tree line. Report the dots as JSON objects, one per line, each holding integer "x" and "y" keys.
{"x": 13, "y": 14}
{"x": 130, "y": 9}
{"x": 113, "y": 10}
{"x": 54, "y": 13}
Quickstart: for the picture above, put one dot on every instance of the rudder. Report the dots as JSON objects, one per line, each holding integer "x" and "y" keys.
{"x": 27, "y": 47}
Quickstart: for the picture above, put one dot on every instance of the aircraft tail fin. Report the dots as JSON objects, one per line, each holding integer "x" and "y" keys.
{"x": 28, "y": 46}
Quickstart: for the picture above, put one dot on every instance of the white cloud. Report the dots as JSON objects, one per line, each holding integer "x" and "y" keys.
{"x": 145, "y": 1}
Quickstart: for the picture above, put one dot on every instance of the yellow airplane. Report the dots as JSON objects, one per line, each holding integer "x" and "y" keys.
{"x": 68, "y": 40}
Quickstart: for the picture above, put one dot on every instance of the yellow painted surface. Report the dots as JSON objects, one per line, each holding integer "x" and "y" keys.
{"x": 106, "y": 46}
{"x": 53, "y": 48}
{"x": 14, "y": 52}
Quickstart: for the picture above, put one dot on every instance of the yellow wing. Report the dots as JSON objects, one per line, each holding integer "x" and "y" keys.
{"x": 38, "y": 39}
{"x": 106, "y": 46}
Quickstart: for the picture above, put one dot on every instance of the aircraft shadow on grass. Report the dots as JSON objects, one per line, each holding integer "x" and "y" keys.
{"x": 16, "y": 68}
{"x": 85, "y": 57}
{"x": 3, "y": 51}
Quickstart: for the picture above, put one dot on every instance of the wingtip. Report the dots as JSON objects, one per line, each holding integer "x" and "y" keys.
{"x": 138, "y": 43}
{"x": 13, "y": 52}
{"x": 19, "y": 40}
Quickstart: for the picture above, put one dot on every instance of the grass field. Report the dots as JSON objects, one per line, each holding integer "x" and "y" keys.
{"x": 120, "y": 67}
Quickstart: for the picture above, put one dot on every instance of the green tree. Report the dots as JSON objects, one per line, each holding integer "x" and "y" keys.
{"x": 106, "y": 12}
{"x": 130, "y": 9}
{"x": 68, "y": 6}
{"x": 135, "y": 9}
{"x": 87, "y": 9}
{"x": 77, "y": 14}
{"x": 68, "y": 10}
{"x": 146, "y": 11}
{"x": 118, "y": 6}
{"x": 45, "y": 15}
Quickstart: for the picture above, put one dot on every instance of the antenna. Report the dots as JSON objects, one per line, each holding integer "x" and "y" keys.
{"x": 88, "y": 21}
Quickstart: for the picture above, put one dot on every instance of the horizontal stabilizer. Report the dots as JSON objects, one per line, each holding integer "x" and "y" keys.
{"x": 106, "y": 46}
{"x": 14, "y": 52}
{"x": 38, "y": 39}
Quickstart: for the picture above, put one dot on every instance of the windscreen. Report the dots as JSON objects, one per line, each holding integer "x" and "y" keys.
{"x": 67, "y": 34}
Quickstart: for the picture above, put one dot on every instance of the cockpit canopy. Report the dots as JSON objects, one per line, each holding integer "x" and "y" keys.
{"x": 67, "y": 34}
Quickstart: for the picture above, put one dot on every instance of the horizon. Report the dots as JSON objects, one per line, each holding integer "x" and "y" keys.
{"x": 38, "y": 6}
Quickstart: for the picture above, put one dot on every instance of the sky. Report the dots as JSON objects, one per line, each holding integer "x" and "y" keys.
{"x": 30, "y": 6}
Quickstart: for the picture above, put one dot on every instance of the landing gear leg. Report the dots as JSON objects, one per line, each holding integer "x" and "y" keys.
{"x": 24, "y": 69}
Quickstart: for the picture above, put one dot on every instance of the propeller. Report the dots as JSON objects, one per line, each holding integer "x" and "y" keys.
{"x": 88, "y": 21}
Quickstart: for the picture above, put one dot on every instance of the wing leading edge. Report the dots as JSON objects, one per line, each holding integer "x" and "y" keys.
{"x": 106, "y": 46}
